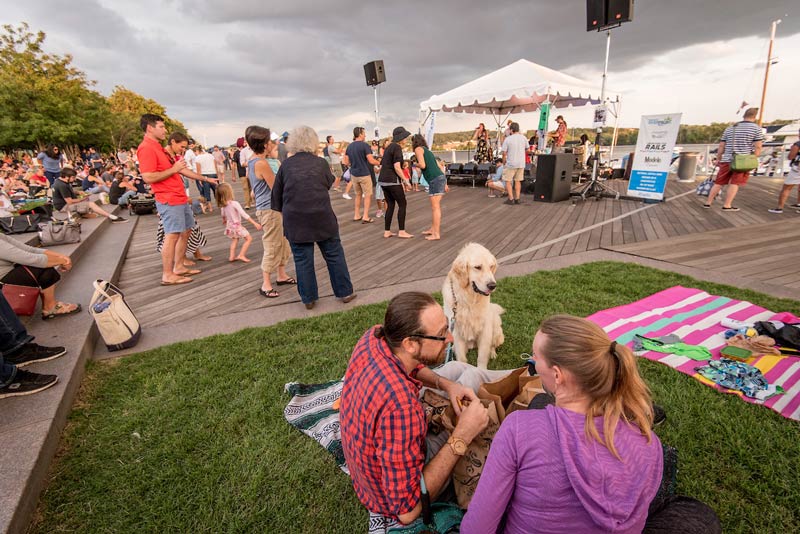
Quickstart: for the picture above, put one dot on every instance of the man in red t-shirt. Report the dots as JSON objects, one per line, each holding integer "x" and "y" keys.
{"x": 164, "y": 176}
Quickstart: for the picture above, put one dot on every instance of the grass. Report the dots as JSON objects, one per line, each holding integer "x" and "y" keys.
{"x": 191, "y": 437}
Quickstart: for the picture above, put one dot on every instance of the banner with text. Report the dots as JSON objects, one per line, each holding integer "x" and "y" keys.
{"x": 651, "y": 162}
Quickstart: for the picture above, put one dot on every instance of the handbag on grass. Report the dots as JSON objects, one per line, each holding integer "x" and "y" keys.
{"x": 22, "y": 299}
{"x": 118, "y": 326}
{"x": 743, "y": 162}
{"x": 58, "y": 232}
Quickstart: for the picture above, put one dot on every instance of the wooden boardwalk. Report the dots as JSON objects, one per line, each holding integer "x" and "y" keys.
{"x": 513, "y": 233}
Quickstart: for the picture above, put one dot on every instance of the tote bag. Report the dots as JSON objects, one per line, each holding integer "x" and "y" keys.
{"x": 115, "y": 320}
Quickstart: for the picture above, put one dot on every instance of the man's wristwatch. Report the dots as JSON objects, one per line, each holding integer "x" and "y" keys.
{"x": 457, "y": 445}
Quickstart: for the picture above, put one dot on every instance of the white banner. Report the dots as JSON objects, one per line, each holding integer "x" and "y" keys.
{"x": 430, "y": 130}
{"x": 651, "y": 162}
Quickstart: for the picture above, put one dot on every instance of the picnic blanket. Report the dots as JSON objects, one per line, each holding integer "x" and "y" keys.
{"x": 314, "y": 411}
{"x": 694, "y": 316}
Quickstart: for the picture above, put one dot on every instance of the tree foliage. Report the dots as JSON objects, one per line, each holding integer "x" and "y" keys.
{"x": 45, "y": 99}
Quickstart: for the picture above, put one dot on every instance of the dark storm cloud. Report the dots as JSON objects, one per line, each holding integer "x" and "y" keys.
{"x": 302, "y": 60}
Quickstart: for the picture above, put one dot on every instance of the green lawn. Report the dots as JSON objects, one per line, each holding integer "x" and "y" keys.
{"x": 191, "y": 437}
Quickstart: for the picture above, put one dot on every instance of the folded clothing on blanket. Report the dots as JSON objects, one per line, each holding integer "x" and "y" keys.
{"x": 739, "y": 376}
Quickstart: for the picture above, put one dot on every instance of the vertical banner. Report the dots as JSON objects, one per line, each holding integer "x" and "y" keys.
{"x": 431, "y": 128}
{"x": 544, "y": 117}
{"x": 651, "y": 162}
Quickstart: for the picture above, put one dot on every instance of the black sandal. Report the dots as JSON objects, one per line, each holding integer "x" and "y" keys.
{"x": 271, "y": 294}
{"x": 288, "y": 282}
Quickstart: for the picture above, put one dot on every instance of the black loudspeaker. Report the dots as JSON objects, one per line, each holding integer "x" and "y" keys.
{"x": 455, "y": 168}
{"x": 486, "y": 168}
{"x": 619, "y": 11}
{"x": 553, "y": 177}
{"x": 374, "y": 72}
{"x": 470, "y": 168}
{"x": 595, "y": 14}
{"x": 603, "y": 13}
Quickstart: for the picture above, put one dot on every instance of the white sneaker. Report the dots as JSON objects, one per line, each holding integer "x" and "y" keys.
{"x": 347, "y": 197}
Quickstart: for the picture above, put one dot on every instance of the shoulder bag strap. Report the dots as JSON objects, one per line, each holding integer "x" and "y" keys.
{"x": 35, "y": 280}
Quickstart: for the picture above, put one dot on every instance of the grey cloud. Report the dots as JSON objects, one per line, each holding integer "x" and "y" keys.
{"x": 300, "y": 60}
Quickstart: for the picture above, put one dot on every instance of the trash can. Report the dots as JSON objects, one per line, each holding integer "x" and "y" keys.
{"x": 687, "y": 166}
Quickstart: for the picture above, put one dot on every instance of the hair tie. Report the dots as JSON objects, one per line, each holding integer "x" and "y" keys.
{"x": 613, "y": 348}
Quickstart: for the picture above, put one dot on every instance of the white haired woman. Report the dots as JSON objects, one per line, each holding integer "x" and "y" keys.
{"x": 300, "y": 193}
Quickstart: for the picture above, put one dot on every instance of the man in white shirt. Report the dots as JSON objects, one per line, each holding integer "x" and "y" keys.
{"x": 514, "y": 155}
{"x": 207, "y": 166}
{"x": 189, "y": 156}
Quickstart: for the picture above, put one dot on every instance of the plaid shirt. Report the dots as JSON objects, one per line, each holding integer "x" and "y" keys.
{"x": 383, "y": 428}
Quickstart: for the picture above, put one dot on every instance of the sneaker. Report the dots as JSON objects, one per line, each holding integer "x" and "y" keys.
{"x": 732, "y": 208}
{"x": 775, "y": 210}
{"x": 509, "y": 202}
{"x": 707, "y": 206}
{"x": 347, "y": 197}
{"x": 26, "y": 383}
{"x": 795, "y": 206}
{"x": 348, "y": 298}
{"x": 118, "y": 219}
{"x": 33, "y": 353}
{"x": 379, "y": 214}
{"x": 516, "y": 201}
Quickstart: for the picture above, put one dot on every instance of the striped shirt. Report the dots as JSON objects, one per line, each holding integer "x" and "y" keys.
{"x": 739, "y": 139}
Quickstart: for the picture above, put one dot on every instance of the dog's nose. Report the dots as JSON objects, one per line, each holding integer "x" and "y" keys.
{"x": 491, "y": 285}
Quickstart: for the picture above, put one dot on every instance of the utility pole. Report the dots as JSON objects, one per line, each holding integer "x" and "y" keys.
{"x": 766, "y": 72}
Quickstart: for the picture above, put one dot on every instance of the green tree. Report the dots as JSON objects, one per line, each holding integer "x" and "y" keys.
{"x": 43, "y": 98}
{"x": 127, "y": 107}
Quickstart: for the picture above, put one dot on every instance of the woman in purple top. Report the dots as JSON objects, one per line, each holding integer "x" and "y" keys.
{"x": 588, "y": 463}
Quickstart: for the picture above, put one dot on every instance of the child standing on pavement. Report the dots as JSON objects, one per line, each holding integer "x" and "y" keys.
{"x": 232, "y": 215}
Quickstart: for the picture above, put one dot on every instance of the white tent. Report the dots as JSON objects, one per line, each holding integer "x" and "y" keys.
{"x": 520, "y": 86}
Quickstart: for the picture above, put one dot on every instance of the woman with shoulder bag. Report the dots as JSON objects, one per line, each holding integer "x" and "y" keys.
{"x": 26, "y": 266}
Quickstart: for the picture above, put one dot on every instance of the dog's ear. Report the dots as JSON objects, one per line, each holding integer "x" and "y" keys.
{"x": 461, "y": 270}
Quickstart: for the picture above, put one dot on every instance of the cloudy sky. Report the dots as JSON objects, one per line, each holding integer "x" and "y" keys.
{"x": 219, "y": 66}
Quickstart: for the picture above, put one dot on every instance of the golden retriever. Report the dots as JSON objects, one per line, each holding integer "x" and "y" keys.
{"x": 467, "y": 291}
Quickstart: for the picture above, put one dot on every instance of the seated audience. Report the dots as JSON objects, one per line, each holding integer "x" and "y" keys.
{"x": 588, "y": 463}
{"x": 23, "y": 265}
{"x": 122, "y": 189}
{"x": 66, "y": 200}
{"x": 18, "y": 350}
{"x": 93, "y": 184}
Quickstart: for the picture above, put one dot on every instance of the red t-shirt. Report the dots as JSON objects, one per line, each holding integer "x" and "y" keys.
{"x": 153, "y": 158}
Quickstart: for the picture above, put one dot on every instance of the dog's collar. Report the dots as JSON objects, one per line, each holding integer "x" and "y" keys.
{"x": 476, "y": 290}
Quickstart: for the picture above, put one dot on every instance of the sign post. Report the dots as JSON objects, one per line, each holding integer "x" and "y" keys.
{"x": 653, "y": 157}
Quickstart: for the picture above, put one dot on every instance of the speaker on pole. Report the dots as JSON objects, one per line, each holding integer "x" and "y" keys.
{"x": 595, "y": 14}
{"x": 374, "y": 72}
{"x": 619, "y": 11}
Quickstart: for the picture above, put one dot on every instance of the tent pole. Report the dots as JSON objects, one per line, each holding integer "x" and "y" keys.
{"x": 618, "y": 109}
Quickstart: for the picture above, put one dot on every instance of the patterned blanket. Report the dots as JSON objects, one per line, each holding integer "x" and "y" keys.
{"x": 694, "y": 316}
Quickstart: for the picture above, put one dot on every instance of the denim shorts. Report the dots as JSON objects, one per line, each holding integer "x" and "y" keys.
{"x": 176, "y": 219}
{"x": 436, "y": 185}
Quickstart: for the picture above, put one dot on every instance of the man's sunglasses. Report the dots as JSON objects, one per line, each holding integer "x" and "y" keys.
{"x": 435, "y": 338}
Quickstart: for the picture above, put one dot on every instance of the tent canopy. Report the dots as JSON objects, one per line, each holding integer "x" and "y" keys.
{"x": 519, "y": 87}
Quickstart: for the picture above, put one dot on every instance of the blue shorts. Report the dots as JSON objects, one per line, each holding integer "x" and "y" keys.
{"x": 176, "y": 219}
{"x": 436, "y": 185}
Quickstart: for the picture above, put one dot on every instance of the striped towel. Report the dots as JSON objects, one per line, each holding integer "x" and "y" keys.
{"x": 314, "y": 411}
{"x": 694, "y": 316}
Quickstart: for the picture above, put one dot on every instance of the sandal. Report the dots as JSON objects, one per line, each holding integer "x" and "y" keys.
{"x": 288, "y": 282}
{"x": 367, "y": 221}
{"x": 60, "y": 309}
{"x": 271, "y": 294}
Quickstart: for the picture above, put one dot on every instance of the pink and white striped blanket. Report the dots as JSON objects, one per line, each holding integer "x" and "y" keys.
{"x": 694, "y": 316}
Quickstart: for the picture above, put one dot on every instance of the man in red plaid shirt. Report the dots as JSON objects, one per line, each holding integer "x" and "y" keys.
{"x": 383, "y": 422}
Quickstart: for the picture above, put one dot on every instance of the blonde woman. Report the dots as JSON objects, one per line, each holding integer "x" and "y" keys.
{"x": 588, "y": 463}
